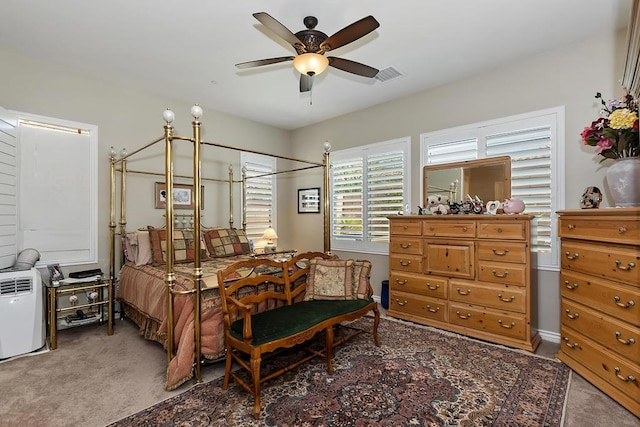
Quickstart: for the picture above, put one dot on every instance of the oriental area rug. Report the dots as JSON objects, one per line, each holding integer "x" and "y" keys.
{"x": 419, "y": 376}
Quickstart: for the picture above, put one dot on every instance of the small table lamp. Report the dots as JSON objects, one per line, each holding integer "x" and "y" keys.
{"x": 270, "y": 235}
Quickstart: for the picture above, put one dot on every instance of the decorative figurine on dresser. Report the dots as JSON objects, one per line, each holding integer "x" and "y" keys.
{"x": 468, "y": 272}
{"x": 600, "y": 293}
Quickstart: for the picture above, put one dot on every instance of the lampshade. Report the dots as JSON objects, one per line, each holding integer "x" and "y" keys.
{"x": 310, "y": 64}
{"x": 270, "y": 234}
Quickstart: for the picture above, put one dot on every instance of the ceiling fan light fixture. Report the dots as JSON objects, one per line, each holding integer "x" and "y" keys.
{"x": 310, "y": 64}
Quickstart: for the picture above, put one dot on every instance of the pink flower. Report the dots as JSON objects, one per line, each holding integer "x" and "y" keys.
{"x": 604, "y": 144}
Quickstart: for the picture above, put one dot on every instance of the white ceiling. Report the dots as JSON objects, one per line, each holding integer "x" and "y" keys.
{"x": 188, "y": 49}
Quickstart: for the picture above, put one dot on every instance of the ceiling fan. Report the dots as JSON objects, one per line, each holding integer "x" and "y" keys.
{"x": 311, "y": 45}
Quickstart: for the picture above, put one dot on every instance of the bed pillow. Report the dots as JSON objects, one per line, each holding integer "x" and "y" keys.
{"x": 183, "y": 246}
{"x": 361, "y": 273}
{"x": 144, "y": 248}
{"x": 226, "y": 242}
{"x": 330, "y": 279}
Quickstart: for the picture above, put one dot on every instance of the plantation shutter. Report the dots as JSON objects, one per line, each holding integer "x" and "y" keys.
{"x": 452, "y": 151}
{"x": 385, "y": 182}
{"x": 259, "y": 195}
{"x": 530, "y": 151}
{"x": 347, "y": 213}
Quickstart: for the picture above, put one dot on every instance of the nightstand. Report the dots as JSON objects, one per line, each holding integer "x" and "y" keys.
{"x": 88, "y": 307}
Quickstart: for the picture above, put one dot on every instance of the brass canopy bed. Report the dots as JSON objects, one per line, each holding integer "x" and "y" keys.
{"x": 178, "y": 285}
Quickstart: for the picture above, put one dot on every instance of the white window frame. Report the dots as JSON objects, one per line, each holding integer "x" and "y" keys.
{"x": 381, "y": 246}
{"x": 555, "y": 119}
{"x": 269, "y": 163}
{"x": 58, "y": 245}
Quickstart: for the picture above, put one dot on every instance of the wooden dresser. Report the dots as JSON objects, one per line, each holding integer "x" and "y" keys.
{"x": 600, "y": 292}
{"x": 469, "y": 274}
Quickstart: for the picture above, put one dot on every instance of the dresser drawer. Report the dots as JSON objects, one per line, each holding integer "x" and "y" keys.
{"x": 607, "y": 365}
{"x": 496, "y": 272}
{"x": 431, "y": 286}
{"x": 495, "y": 322}
{"x": 449, "y": 229}
{"x": 417, "y": 305}
{"x": 409, "y": 227}
{"x": 503, "y": 230}
{"x": 613, "y": 230}
{"x": 502, "y": 297}
{"x": 620, "y": 263}
{"x": 504, "y": 251}
{"x": 410, "y": 263}
{"x": 615, "y": 299}
{"x": 449, "y": 258}
{"x": 406, "y": 245}
{"x": 621, "y": 337}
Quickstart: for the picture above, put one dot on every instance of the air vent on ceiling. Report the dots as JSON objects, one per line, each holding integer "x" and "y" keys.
{"x": 389, "y": 73}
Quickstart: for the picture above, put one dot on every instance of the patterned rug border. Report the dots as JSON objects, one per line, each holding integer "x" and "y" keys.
{"x": 193, "y": 385}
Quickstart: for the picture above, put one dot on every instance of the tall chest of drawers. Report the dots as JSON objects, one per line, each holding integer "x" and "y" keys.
{"x": 600, "y": 299}
{"x": 469, "y": 274}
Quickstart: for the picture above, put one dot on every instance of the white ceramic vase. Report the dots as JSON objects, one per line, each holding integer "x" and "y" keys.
{"x": 623, "y": 180}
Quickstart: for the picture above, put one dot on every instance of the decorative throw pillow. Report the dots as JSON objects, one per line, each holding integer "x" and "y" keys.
{"x": 330, "y": 279}
{"x": 226, "y": 242}
{"x": 144, "y": 248}
{"x": 361, "y": 272}
{"x": 183, "y": 246}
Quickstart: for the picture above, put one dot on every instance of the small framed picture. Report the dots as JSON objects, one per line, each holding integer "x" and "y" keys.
{"x": 182, "y": 196}
{"x": 309, "y": 200}
{"x": 55, "y": 272}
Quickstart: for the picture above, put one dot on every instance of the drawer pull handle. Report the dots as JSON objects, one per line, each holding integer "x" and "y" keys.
{"x": 510, "y": 326}
{"x": 621, "y": 230}
{"x": 503, "y": 253}
{"x": 573, "y": 316}
{"x": 462, "y": 316}
{"x": 405, "y": 263}
{"x": 571, "y": 257}
{"x": 433, "y": 310}
{"x": 506, "y": 299}
{"x": 630, "y": 304}
{"x": 571, "y": 226}
{"x": 461, "y": 292}
{"x": 502, "y": 276}
{"x": 570, "y": 286}
{"x": 627, "y": 379}
{"x": 402, "y": 282}
{"x": 628, "y": 266}
{"x": 623, "y": 341}
{"x": 433, "y": 288}
{"x": 499, "y": 229}
{"x": 430, "y": 228}
{"x": 401, "y": 303}
{"x": 464, "y": 229}
{"x": 568, "y": 344}
{"x": 405, "y": 245}
{"x": 405, "y": 227}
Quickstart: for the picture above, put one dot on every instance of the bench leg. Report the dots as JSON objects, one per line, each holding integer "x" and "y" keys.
{"x": 256, "y": 360}
{"x": 376, "y": 322}
{"x": 329, "y": 349}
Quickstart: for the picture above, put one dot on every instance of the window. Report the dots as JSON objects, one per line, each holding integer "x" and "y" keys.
{"x": 534, "y": 141}
{"x": 368, "y": 184}
{"x": 58, "y": 187}
{"x": 260, "y": 194}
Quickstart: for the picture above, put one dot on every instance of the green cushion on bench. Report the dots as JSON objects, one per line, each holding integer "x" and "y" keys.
{"x": 290, "y": 319}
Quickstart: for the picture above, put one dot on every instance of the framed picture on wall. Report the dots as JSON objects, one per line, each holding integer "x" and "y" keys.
{"x": 309, "y": 200}
{"x": 182, "y": 196}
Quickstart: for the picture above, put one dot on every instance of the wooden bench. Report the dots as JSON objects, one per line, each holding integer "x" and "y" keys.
{"x": 267, "y": 310}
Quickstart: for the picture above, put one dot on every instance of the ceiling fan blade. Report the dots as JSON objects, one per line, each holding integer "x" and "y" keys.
{"x": 306, "y": 82}
{"x": 280, "y": 30}
{"x": 352, "y": 67}
{"x": 350, "y": 33}
{"x": 260, "y": 62}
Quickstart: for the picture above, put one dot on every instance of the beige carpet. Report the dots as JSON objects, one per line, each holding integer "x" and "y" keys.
{"x": 93, "y": 379}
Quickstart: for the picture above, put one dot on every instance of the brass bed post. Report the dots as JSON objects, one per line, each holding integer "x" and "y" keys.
{"x": 230, "y": 196}
{"x": 169, "y": 274}
{"x": 243, "y": 195}
{"x": 112, "y": 226}
{"x": 325, "y": 196}
{"x": 196, "y": 112}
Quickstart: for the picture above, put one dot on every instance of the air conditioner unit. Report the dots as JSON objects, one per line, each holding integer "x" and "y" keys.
{"x": 22, "y": 316}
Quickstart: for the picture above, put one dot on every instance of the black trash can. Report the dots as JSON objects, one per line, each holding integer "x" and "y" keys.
{"x": 384, "y": 297}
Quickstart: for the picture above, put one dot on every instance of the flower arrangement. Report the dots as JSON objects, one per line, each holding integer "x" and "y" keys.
{"x": 615, "y": 133}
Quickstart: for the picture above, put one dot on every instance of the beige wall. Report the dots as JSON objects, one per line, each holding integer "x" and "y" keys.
{"x": 568, "y": 76}
{"x": 130, "y": 118}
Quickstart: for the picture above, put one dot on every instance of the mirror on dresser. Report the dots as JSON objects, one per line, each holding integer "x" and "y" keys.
{"x": 489, "y": 179}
